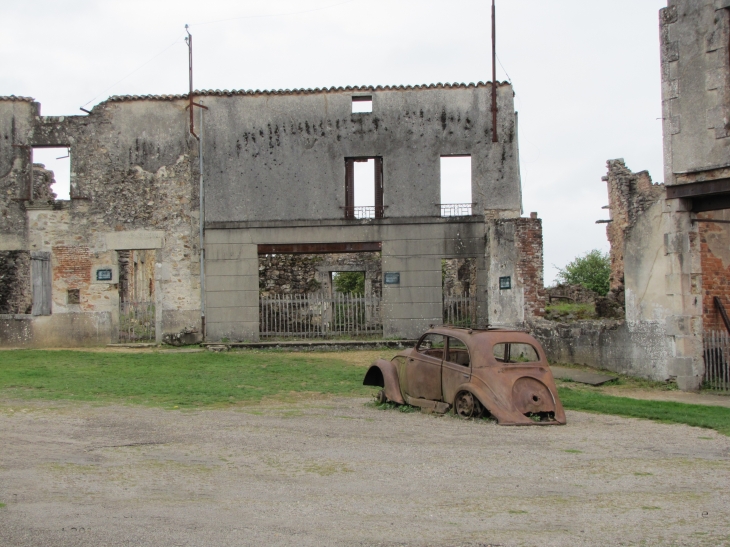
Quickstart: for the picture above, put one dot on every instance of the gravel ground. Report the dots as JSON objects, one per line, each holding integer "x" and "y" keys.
{"x": 336, "y": 472}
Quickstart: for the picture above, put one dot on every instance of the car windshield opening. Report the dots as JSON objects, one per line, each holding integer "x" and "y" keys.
{"x": 432, "y": 345}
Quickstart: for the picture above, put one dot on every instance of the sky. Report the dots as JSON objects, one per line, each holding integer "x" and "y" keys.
{"x": 585, "y": 73}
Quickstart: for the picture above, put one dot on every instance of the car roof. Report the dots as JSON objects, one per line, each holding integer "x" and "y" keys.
{"x": 488, "y": 336}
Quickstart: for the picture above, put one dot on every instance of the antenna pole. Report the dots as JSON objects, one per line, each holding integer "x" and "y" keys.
{"x": 494, "y": 73}
{"x": 189, "y": 41}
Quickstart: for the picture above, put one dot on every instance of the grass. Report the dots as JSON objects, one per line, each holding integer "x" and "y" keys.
{"x": 710, "y": 417}
{"x": 176, "y": 379}
{"x": 2, "y": 505}
{"x": 187, "y": 380}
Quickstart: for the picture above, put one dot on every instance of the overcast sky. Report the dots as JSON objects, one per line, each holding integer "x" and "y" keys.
{"x": 586, "y": 73}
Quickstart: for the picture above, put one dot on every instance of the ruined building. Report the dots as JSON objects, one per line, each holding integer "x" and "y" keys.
{"x": 266, "y": 174}
{"x": 670, "y": 242}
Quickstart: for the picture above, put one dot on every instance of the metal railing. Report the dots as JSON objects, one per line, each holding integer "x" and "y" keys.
{"x": 460, "y": 311}
{"x": 364, "y": 211}
{"x": 136, "y": 322}
{"x": 716, "y": 346}
{"x": 456, "y": 209}
{"x": 319, "y": 316}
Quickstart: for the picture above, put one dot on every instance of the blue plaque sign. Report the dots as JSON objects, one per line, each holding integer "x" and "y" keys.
{"x": 505, "y": 283}
{"x": 104, "y": 275}
{"x": 391, "y": 278}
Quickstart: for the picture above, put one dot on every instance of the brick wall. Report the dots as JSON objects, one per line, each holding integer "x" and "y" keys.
{"x": 715, "y": 260}
{"x": 529, "y": 268}
{"x": 73, "y": 265}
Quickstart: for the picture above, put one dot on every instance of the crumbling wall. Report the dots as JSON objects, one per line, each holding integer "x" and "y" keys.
{"x": 43, "y": 180}
{"x": 134, "y": 186}
{"x": 629, "y": 196}
{"x": 15, "y": 287}
{"x": 577, "y": 294}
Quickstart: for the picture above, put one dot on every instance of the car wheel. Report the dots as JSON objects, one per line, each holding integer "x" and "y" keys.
{"x": 467, "y": 406}
{"x": 380, "y": 397}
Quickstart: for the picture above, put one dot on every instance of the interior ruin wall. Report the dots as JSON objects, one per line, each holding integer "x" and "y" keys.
{"x": 715, "y": 259}
{"x": 288, "y": 274}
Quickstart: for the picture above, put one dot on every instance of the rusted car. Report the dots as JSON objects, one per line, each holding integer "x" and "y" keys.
{"x": 497, "y": 372}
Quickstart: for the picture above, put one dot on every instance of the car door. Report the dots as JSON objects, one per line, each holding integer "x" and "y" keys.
{"x": 423, "y": 368}
{"x": 456, "y": 368}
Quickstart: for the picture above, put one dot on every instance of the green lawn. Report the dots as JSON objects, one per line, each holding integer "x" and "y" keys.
{"x": 711, "y": 417}
{"x": 200, "y": 379}
{"x": 173, "y": 379}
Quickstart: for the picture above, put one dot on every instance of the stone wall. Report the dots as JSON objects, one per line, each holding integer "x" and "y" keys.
{"x": 310, "y": 273}
{"x": 640, "y": 349}
{"x": 577, "y": 294}
{"x": 15, "y": 287}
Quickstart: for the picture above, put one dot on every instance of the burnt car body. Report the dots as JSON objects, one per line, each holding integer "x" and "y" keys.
{"x": 474, "y": 372}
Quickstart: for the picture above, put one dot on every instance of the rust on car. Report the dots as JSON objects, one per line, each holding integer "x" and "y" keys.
{"x": 474, "y": 372}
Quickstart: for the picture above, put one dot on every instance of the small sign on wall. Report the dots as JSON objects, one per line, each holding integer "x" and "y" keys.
{"x": 505, "y": 283}
{"x": 391, "y": 278}
{"x": 104, "y": 274}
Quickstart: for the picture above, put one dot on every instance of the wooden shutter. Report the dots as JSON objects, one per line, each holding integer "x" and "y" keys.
{"x": 349, "y": 188}
{"x": 379, "y": 209}
{"x": 40, "y": 274}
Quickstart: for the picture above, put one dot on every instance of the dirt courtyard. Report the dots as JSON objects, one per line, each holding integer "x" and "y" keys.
{"x": 337, "y": 472}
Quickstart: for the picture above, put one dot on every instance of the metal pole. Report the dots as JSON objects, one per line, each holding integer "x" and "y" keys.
{"x": 189, "y": 41}
{"x": 494, "y": 73}
{"x": 201, "y": 216}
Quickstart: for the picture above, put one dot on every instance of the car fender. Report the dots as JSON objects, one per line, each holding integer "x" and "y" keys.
{"x": 497, "y": 410}
{"x": 383, "y": 374}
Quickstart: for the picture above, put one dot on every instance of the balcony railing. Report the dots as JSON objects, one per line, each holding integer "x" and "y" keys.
{"x": 366, "y": 211}
{"x": 456, "y": 209}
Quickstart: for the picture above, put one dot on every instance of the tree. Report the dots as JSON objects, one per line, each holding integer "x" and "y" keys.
{"x": 349, "y": 282}
{"x": 591, "y": 270}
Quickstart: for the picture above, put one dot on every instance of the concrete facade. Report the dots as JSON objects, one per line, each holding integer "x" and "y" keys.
{"x": 272, "y": 169}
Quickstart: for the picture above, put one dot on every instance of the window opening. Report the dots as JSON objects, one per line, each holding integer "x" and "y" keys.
{"x": 458, "y": 352}
{"x": 432, "y": 345}
{"x": 348, "y": 282}
{"x": 73, "y": 296}
{"x": 51, "y": 174}
{"x": 456, "y": 198}
{"x": 364, "y": 188}
{"x": 362, "y": 105}
{"x": 515, "y": 353}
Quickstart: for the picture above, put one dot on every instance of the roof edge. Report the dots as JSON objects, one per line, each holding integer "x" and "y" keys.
{"x": 16, "y": 98}
{"x": 307, "y": 91}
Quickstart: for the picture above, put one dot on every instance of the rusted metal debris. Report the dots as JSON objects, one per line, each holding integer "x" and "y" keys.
{"x": 475, "y": 373}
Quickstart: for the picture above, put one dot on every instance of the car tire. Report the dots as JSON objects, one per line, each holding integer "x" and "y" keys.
{"x": 380, "y": 397}
{"x": 466, "y": 405}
